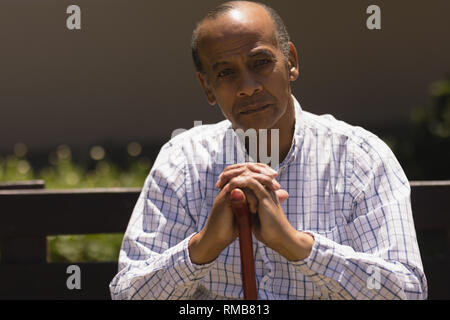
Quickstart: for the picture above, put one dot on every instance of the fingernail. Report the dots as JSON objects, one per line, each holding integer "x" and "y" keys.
{"x": 236, "y": 196}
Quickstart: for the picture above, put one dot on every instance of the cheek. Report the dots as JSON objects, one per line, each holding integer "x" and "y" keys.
{"x": 278, "y": 84}
{"x": 225, "y": 101}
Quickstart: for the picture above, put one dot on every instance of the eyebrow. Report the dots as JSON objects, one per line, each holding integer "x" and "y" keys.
{"x": 256, "y": 53}
{"x": 262, "y": 52}
{"x": 218, "y": 64}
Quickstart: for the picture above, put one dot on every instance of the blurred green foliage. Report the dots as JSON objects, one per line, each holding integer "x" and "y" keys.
{"x": 78, "y": 248}
{"x": 424, "y": 149}
{"x": 63, "y": 173}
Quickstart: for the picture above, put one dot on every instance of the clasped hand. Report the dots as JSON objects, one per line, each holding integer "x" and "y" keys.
{"x": 256, "y": 184}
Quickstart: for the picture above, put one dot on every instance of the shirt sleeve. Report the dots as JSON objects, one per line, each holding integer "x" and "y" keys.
{"x": 154, "y": 259}
{"x": 382, "y": 260}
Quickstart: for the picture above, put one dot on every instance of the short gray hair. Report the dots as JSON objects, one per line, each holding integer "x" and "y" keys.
{"x": 281, "y": 33}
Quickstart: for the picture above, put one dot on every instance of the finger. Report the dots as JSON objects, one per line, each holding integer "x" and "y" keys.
{"x": 235, "y": 166}
{"x": 226, "y": 175}
{"x": 251, "y": 183}
{"x": 282, "y": 195}
{"x": 266, "y": 181}
{"x": 232, "y": 171}
{"x": 251, "y": 200}
{"x": 265, "y": 166}
{"x": 269, "y": 182}
{"x": 249, "y": 196}
{"x": 254, "y": 166}
{"x": 261, "y": 193}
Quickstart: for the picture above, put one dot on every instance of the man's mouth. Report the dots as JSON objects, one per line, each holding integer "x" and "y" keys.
{"x": 254, "y": 109}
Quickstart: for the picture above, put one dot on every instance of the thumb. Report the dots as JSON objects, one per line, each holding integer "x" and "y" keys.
{"x": 282, "y": 195}
{"x": 240, "y": 208}
{"x": 237, "y": 197}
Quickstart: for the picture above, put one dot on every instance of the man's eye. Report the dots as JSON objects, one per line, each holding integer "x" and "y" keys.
{"x": 261, "y": 62}
{"x": 224, "y": 73}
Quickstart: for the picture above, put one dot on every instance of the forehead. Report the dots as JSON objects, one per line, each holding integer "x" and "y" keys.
{"x": 237, "y": 31}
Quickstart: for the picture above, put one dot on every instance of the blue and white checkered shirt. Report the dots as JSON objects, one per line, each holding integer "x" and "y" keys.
{"x": 345, "y": 188}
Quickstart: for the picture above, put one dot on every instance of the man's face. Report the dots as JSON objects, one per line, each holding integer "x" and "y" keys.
{"x": 245, "y": 71}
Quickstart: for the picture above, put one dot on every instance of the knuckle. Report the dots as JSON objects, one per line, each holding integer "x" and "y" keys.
{"x": 253, "y": 166}
{"x": 265, "y": 178}
{"x": 234, "y": 181}
{"x": 253, "y": 179}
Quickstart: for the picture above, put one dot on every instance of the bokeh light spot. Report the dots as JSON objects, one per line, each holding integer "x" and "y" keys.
{"x": 20, "y": 149}
{"x": 97, "y": 153}
{"x": 134, "y": 149}
{"x": 63, "y": 152}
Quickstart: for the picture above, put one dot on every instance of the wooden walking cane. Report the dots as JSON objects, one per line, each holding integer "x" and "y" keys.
{"x": 243, "y": 219}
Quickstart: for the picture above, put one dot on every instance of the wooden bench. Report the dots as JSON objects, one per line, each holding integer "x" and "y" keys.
{"x": 29, "y": 213}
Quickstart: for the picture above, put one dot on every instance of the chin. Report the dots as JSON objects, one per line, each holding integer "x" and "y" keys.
{"x": 261, "y": 122}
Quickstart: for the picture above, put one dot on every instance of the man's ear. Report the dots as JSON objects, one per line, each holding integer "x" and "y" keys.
{"x": 293, "y": 62}
{"x": 204, "y": 82}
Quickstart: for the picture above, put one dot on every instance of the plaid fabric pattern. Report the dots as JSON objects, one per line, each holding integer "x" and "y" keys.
{"x": 345, "y": 187}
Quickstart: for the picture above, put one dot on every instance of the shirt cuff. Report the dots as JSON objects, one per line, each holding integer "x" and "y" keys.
{"x": 202, "y": 269}
{"x": 186, "y": 271}
{"x": 324, "y": 260}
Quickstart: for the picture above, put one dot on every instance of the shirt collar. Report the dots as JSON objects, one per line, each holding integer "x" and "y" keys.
{"x": 296, "y": 138}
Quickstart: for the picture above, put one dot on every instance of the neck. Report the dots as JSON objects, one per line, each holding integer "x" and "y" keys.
{"x": 286, "y": 126}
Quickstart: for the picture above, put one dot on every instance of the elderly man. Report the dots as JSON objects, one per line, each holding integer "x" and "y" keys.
{"x": 332, "y": 221}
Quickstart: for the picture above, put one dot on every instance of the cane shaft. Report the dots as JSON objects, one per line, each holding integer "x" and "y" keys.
{"x": 243, "y": 220}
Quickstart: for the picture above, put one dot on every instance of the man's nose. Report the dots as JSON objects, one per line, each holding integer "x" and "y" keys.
{"x": 249, "y": 85}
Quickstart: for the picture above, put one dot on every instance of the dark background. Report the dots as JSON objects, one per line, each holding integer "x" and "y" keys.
{"x": 127, "y": 75}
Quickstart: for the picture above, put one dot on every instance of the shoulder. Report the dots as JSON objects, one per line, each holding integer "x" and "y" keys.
{"x": 367, "y": 159}
{"x": 357, "y": 140}
{"x": 194, "y": 145}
